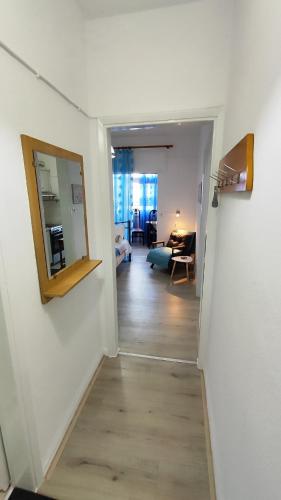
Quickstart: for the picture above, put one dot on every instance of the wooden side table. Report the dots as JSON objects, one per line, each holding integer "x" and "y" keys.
{"x": 184, "y": 260}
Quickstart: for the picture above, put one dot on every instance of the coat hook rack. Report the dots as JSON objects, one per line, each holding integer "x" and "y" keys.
{"x": 236, "y": 169}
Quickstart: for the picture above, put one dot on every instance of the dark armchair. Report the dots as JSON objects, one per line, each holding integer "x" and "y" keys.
{"x": 179, "y": 243}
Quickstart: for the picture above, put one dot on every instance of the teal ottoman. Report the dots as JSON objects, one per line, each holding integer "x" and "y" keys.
{"x": 160, "y": 257}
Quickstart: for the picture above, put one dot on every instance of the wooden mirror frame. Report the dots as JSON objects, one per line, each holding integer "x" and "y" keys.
{"x": 64, "y": 280}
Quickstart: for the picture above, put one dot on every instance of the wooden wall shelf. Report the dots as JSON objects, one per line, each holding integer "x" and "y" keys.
{"x": 236, "y": 169}
{"x": 62, "y": 283}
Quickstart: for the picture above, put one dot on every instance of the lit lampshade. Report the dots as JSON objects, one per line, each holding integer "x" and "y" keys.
{"x": 178, "y": 213}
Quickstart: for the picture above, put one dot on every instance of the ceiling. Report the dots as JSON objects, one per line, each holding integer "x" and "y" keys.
{"x": 156, "y": 130}
{"x": 104, "y": 8}
{"x": 168, "y": 133}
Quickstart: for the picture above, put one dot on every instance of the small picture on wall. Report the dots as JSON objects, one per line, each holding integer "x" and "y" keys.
{"x": 77, "y": 193}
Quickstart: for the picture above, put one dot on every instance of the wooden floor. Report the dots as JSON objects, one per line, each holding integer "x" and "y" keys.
{"x": 155, "y": 317}
{"x": 140, "y": 436}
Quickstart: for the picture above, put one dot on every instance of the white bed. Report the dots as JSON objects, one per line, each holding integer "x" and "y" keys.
{"x": 122, "y": 246}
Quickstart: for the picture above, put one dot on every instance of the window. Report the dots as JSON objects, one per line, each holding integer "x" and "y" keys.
{"x": 145, "y": 193}
{"x": 135, "y": 191}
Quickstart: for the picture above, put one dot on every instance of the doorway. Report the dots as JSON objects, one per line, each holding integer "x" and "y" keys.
{"x": 157, "y": 317}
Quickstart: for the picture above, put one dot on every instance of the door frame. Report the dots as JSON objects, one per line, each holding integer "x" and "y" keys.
{"x": 104, "y": 124}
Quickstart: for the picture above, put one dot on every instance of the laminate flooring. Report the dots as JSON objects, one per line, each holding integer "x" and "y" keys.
{"x": 140, "y": 436}
{"x": 155, "y": 317}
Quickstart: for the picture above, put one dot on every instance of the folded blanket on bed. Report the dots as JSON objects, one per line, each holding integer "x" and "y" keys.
{"x": 123, "y": 247}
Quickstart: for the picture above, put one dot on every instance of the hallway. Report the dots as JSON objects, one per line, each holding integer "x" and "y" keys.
{"x": 140, "y": 436}
{"x": 155, "y": 317}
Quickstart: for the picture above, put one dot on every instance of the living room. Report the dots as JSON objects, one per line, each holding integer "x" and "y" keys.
{"x": 176, "y": 156}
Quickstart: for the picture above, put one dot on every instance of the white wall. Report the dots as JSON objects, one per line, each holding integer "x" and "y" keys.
{"x": 13, "y": 429}
{"x": 55, "y": 347}
{"x": 49, "y": 175}
{"x": 243, "y": 369}
{"x": 49, "y": 35}
{"x": 159, "y": 60}
{"x": 72, "y": 215}
{"x": 177, "y": 170}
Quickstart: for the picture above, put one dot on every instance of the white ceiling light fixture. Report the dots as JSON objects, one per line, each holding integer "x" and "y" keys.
{"x": 145, "y": 127}
{"x": 118, "y": 130}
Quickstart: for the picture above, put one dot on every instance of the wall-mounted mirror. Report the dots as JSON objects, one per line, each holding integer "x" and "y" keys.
{"x": 61, "y": 196}
{"x": 55, "y": 182}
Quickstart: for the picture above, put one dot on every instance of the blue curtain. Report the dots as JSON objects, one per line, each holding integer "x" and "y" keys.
{"x": 123, "y": 166}
{"x": 148, "y": 189}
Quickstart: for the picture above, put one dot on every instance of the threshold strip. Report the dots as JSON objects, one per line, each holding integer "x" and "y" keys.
{"x": 158, "y": 358}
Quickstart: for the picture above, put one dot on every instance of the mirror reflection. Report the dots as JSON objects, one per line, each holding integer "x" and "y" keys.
{"x": 61, "y": 197}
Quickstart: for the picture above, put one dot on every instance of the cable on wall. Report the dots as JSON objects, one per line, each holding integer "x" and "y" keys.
{"x": 42, "y": 78}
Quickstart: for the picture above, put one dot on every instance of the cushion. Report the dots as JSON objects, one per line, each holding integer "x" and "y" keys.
{"x": 178, "y": 237}
{"x": 119, "y": 231}
{"x": 124, "y": 246}
{"x": 172, "y": 243}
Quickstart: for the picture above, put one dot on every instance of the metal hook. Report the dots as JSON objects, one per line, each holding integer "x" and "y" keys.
{"x": 230, "y": 168}
{"x": 222, "y": 174}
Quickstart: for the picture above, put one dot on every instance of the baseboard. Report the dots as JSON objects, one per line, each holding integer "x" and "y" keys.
{"x": 71, "y": 420}
{"x": 8, "y": 493}
{"x": 210, "y": 463}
